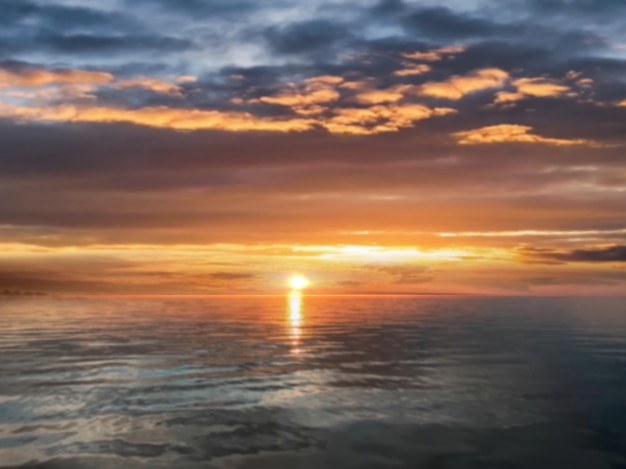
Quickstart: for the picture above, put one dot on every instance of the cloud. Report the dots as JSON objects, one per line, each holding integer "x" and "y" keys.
{"x": 441, "y": 22}
{"x": 506, "y": 133}
{"x": 381, "y": 118}
{"x": 539, "y": 87}
{"x": 24, "y": 75}
{"x": 534, "y": 87}
{"x": 162, "y": 116}
{"x": 153, "y": 84}
{"x": 305, "y": 98}
{"x": 435, "y": 55}
{"x": 349, "y": 283}
{"x": 412, "y": 69}
{"x": 89, "y": 43}
{"x": 304, "y": 37}
{"x": 314, "y": 123}
{"x": 389, "y": 95}
{"x": 408, "y": 274}
{"x": 586, "y": 7}
{"x": 456, "y": 87}
{"x": 232, "y": 276}
{"x": 317, "y": 103}
{"x": 599, "y": 254}
{"x": 63, "y": 17}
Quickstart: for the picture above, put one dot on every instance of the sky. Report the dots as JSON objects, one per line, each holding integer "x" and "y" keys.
{"x": 375, "y": 146}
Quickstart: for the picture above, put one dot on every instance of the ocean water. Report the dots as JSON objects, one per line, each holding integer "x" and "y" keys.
{"x": 313, "y": 382}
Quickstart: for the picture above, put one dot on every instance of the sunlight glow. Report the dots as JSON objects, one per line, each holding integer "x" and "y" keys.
{"x": 298, "y": 282}
{"x": 385, "y": 254}
{"x": 294, "y": 311}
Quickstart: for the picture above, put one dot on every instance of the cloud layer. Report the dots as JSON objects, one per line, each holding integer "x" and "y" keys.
{"x": 492, "y": 129}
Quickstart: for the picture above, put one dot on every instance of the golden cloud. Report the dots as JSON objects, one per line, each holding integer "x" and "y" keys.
{"x": 457, "y": 86}
{"x": 306, "y": 98}
{"x": 152, "y": 84}
{"x": 539, "y": 87}
{"x": 508, "y": 97}
{"x": 372, "y": 120}
{"x": 379, "y": 119}
{"x": 413, "y": 69}
{"x": 310, "y": 100}
{"x": 354, "y": 85}
{"x": 186, "y": 79}
{"x": 33, "y": 77}
{"x": 506, "y": 133}
{"x": 158, "y": 116}
{"x": 434, "y": 55}
{"x": 326, "y": 79}
{"x": 299, "y": 99}
{"x": 389, "y": 95}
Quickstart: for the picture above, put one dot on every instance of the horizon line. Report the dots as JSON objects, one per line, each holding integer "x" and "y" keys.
{"x": 286, "y": 293}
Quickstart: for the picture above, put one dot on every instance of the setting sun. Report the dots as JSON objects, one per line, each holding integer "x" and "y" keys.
{"x": 298, "y": 282}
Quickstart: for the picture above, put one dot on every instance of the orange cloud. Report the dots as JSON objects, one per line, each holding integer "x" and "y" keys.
{"x": 306, "y": 98}
{"x": 434, "y": 55}
{"x": 388, "y": 95}
{"x": 508, "y": 97}
{"x": 622, "y": 103}
{"x": 506, "y": 133}
{"x": 298, "y": 99}
{"x": 379, "y": 119}
{"x": 310, "y": 99}
{"x": 458, "y": 86}
{"x": 159, "y": 116}
{"x": 152, "y": 84}
{"x": 33, "y": 77}
{"x": 186, "y": 79}
{"x": 375, "y": 119}
{"x": 354, "y": 85}
{"x": 326, "y": 79}
{"x": 539, "y": 87}
{"x": 413, "y": 69}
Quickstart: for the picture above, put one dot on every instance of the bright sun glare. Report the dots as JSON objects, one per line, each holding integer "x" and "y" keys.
{"x": 298, "y": 282}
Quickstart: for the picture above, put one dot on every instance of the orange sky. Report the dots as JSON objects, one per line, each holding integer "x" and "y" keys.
{"x": 391, "y": 147}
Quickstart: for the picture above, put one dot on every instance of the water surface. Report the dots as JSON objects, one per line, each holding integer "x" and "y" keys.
{"x": 313, "y": 382}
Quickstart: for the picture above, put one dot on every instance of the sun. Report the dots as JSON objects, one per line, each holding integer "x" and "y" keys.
{"x": 298, "y": 282}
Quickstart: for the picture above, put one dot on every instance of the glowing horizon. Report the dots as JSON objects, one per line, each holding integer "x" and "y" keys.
{"x": 377, "y": 147}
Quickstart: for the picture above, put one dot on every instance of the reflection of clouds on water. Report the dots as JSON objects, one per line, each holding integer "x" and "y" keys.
{"x": 295, "y": 320}
{"x": 412, "y": 382}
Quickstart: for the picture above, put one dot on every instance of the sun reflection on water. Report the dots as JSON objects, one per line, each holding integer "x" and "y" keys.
{"x": 294, "y": 304}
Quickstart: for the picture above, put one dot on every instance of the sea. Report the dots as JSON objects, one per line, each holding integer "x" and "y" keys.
{"x": 303, "y": 381}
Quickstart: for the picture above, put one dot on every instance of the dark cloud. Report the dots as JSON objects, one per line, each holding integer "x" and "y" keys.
{"x": 443, "y": 23}
{"x": 205, "y": 9}
{"x": 30, "y": 14}
{"x": 408, "y": 274}
{"x": 46, "y": 282}
{"x": 304, "y": 37}
{"x": 386, "y": 8}
{"x": 93, "y": 43}
{"x": 587, "y": 7}
{"x": 605, "y": 254}
{"x": 349, "y": 283}
{"x": 614, "y": 253}
{"x": 232, "y": 276}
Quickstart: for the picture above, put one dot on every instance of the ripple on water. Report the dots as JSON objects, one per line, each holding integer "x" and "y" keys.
{"x": 412, "y": 382}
